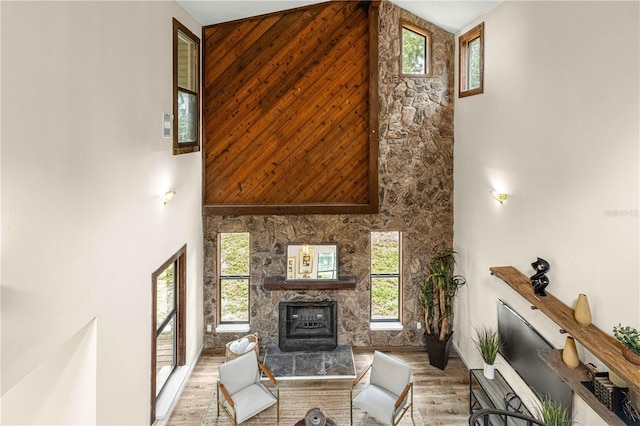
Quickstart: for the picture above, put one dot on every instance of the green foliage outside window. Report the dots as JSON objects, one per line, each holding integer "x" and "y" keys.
{"x": 234, "y": 277}
{"x": 474, "y": 64}
{"x": 385, "y": 290}
{"x": 414, "y": 47}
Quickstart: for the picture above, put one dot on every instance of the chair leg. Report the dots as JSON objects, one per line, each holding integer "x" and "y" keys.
{"x": 351, "y": 406}
{"x": 218, "y": 398}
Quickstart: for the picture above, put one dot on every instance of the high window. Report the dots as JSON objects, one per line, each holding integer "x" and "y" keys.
{"x": 168, "y": 285}
{"x": 186, "y": 88}
{"x": 471, "y": 62}
{"x": 233, "y": 288}
{"x": 386, "y": 279}
{"x": 415, "y": 59}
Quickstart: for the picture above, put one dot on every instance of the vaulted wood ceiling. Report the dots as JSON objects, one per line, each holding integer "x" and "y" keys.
{"x": 290, "y": 112}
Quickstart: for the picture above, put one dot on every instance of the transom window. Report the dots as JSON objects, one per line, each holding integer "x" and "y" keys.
{"x": 386, "y": 279}
{"x": 415, "y": 58}
{"x": 186, "y": 85}
{"x": 471, "y": 62}
{"x": 233, "y": 288}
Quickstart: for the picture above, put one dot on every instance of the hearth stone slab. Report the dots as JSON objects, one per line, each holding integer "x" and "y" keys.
{"x": 336, "y": 364}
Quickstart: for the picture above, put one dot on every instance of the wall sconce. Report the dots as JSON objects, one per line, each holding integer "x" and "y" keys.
{"x": 167, "y": 196}
{"x": 501, "y": 198}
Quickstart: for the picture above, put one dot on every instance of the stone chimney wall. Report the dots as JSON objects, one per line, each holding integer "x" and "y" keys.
{"x": 416, "y": 198}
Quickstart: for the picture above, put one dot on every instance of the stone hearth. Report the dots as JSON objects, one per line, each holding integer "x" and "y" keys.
{"x": 336, "y": 364}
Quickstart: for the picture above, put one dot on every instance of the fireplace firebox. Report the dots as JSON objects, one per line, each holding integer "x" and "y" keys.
{"x": 308, "y": 326}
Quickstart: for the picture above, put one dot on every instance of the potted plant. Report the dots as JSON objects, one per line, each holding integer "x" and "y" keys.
{"x": 552, "y": 413}
{"x": 488, "y": 343}
{"x": 630, "y": 339}
{"x": 437, "y": 294}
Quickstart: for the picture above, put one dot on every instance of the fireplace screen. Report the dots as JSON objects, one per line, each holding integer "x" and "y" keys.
{"x": 308, "y": 326}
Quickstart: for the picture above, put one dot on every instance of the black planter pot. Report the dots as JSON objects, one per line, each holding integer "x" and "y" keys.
{"x": 438, "y": 350}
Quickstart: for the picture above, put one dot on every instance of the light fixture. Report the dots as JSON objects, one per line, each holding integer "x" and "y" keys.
{"x": 501, "y": 198}
{"x": 167, "y": 196}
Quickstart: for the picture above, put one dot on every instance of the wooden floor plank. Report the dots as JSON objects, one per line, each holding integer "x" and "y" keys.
{"x": 441, "y": 396}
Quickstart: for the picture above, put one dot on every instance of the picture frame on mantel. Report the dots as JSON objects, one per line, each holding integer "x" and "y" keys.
{"x": 291, "y": 268}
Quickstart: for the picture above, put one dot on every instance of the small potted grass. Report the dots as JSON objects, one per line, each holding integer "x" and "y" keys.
{"x": 553, "y": 413}
{"x": 488, "y": 343}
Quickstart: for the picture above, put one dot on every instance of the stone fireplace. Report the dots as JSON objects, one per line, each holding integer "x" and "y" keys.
{"x": 308, "y": 326}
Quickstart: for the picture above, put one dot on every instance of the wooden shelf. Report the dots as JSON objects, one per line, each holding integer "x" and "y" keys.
{"x": 574, "y": 378}
{"x": 602, "y": 345}
{"x": 343, "y": 283}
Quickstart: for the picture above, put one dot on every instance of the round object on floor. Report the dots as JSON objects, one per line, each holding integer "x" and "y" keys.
{"x": 315, "y": 417}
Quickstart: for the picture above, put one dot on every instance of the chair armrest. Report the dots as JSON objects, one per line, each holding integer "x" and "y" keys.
{"x": 267, "y": 372}
{"x": 226, "y": 394}
{"x": 403, "y": 395}
{"x": 360, "y": 376}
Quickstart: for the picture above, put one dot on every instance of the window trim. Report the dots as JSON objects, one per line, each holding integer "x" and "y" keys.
{"x": 428, "y": 49}
{"x": 184, "y": 148}
{"x": 219, "y": 321}
{"x": 180, "y": 260}
{"x": 463, "y": 61}
{"x": 387, "y": 275}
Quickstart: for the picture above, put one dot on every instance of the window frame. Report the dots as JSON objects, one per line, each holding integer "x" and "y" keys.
{"x": 179, "y": 259}
{"x": 428, "y": 49}
{"x": 221, "y": 277}
{"x": 464, "y": 40}
{"x": 185, "y": 147}
{"x": 397, "y": 275}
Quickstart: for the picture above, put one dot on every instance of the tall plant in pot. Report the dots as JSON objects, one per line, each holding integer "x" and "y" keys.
{"x": 437, "y": 295}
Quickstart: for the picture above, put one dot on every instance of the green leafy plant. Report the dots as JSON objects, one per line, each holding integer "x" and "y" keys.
{"x": 488, "y": 343}
{"x": 552, "y": 413}
{"x": 437, "y": 294}
{"x": 628, "y": 336}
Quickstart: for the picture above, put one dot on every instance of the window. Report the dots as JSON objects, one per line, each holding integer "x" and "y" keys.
{"x": 186, "y": 85}
{"x": 233, "y": 288}
{"x": 415, "y": 59}
{"x": 386, "y": 280}
{"x": 471, "y": 62}
{"x": 168, "y": 309}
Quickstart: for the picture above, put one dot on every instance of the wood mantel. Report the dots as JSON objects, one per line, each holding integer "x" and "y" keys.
{"x": 602, "y": 345}
{"x": 344, "y": 283}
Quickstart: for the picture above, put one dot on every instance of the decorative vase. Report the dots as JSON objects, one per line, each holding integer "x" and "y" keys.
{"x": 630, "y": 356}
{"x": 570, "y": 353}
{"x": 489, "y": 370}
{"x": 582, "y": 313}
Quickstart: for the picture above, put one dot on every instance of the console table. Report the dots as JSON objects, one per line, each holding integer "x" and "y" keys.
{"x": 495, "y": 393}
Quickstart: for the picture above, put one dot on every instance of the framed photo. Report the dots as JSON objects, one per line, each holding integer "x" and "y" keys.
{"x": 291, "y": 268}
{"x": 307, "y": 254}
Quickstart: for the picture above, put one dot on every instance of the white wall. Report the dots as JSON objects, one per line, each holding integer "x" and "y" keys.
{"x": 557, "y": 128}
{"x": 84, "y": 86}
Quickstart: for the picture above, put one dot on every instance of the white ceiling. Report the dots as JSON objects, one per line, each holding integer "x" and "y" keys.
{"x": 451, "y": 15}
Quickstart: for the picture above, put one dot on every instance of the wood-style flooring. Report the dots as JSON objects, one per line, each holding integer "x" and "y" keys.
{"x": 441, "y": 396}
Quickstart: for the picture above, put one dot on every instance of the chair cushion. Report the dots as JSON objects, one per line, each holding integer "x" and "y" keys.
{"x": 377, "y": 401}
{"x": 389, "y": 373}
{"x": 250, "y": 401}
{"x": 239, "y": 373}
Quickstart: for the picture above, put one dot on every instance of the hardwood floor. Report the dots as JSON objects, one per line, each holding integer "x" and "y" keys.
{"x": 441, "y": 396}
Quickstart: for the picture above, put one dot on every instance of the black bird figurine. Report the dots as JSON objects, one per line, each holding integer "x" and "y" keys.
{"x": 539, "y": 280}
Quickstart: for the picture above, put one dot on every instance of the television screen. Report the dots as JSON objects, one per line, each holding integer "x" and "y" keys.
{"x": 520, "y": 346}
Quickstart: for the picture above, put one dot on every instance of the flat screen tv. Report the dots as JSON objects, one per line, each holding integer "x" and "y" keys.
{"x": 521, "y": 343}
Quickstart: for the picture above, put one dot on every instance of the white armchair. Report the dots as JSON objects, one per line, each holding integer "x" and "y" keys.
{"x": 389, "y": 393}
{"x": 240, "y": 392}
